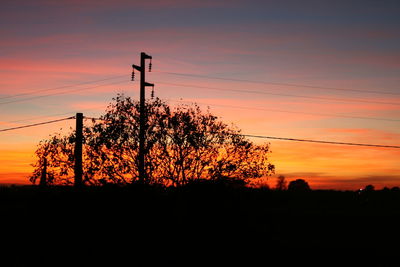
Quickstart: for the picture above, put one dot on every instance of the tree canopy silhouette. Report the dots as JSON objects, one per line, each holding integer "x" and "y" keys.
{"x": 183, "y": 144}
{"x": 299, "y": 185}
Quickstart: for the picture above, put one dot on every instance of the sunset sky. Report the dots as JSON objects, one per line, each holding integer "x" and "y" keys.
{"x": 324, "y": 70}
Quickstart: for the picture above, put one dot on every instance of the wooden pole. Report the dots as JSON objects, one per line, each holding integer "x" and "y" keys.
{"x": 78, "y": 150}
{"x": 43, "y": 177}
{"x": 142, "y": 119}
{"x": 143, "y": 115}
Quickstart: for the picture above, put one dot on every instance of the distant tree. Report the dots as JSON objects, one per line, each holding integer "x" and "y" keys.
{"x": 385, "y": 189}
{"x": 299, "y": 185}
{"x": 183, "y": 144}
{"x": 395, "y": 189}
{"x": 58, "y": 150}
{"x": 369, "y": 188}
{"x": 281, "y": 183}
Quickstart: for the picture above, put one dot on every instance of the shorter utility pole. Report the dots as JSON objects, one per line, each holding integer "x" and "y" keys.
{"x": 43, "y": 177}
{"x": 78, "y": 150}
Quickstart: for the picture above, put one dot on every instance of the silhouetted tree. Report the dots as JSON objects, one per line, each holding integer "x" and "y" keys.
{"x": 58, "y": 150}
{"x": 385, "y": 189}
{"x": 183, "y": 144}
{"x": 395, "y": 189}
{"x": 281, "y": 183}
{"x": 369, "y": 188}
{"x": 299, "y": 185}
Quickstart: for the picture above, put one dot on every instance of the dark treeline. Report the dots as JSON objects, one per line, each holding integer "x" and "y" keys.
{"x": 200, "y": 223}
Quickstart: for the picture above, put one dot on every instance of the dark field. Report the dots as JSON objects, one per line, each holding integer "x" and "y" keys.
{"x": 204, "y": 224}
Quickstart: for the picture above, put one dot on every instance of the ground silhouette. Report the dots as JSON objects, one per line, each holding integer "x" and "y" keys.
{"x": 202, "y": 223}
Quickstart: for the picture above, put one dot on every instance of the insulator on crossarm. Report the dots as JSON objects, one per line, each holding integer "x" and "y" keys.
{"x": 150, "y": 65}
{"x": 152, "y": 92}
{"x": 133, "y": 75}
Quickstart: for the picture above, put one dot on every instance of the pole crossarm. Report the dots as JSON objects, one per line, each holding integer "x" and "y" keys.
{"x": 136, "y": 67}
{"x": 146, "y": 56}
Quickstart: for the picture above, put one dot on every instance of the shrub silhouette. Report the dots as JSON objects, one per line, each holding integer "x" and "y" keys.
{"x": 299, "y": 185}
{"x": 183, "y": 144}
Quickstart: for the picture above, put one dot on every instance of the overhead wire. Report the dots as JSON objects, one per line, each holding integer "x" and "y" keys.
{"x": 246, "y": 135}
{"x": 219, "y": 105}
{"x": 320, "y": 141}
{"x": 61, "y": 87}
{"x": 287, "y": 111}
{"x": 278, "y": 83}
{"x": 280, "y": 94}
{"x": 214, "y": 88}
{"x": 49, "y": 116}
{"x": 60, "y": 93}
{"x": 35, "y": 124}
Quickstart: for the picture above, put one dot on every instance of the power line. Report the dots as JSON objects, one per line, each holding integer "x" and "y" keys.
{"x": 236, "y": 107}
{"x": 287, "y": 111}
{"x": 61, "y": 87}
{"x": 279, "y": 94}
{"x": 300, "y": 140}
{"x": 319, "y": 141}
{"x": 37, "y": 117}
{"x": 246, "y": 135}
{"x": 35, "y": 124}
{"x": 304, "y": 140}
{"x": 60, "y": 93}
{"x": 42, "y": 117}
{"x": 278, "y": 83}
{"x": 93, "y": 118}
{"x": 51, "y": 115}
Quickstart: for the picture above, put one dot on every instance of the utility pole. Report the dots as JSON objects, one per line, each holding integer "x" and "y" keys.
{"x": 78, "y": 150}
{"x": 43, "y": 177}
{"x": 142, "y": 110}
